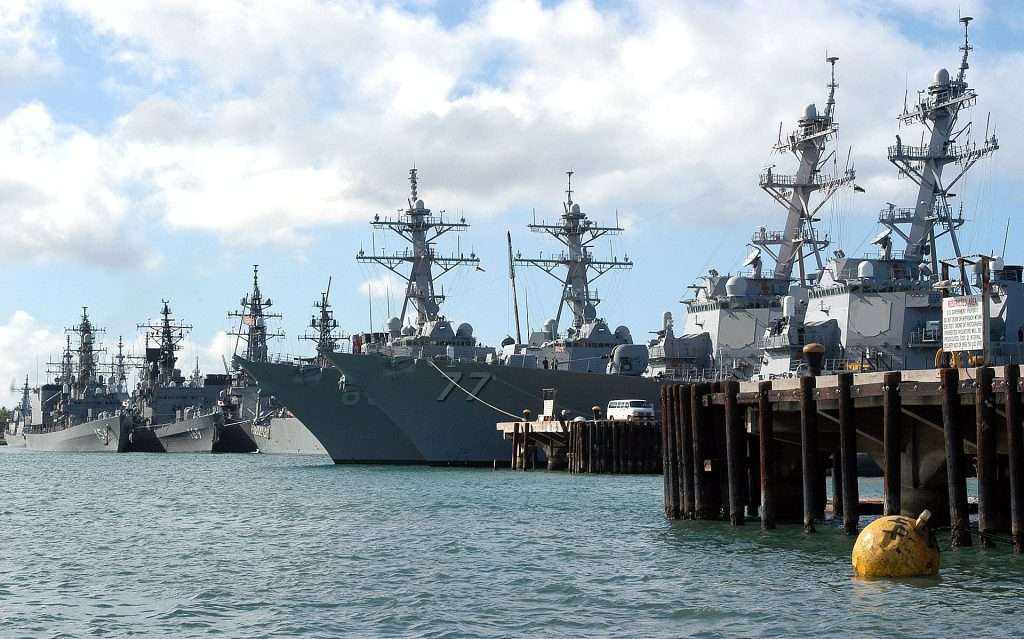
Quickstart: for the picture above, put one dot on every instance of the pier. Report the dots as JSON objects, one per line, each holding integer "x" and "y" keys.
{"x": 760, "y": 450}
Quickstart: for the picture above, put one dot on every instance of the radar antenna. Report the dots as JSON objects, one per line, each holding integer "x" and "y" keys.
{"x": 252, "y": 322}
{"x": 417, "y": 226}
{"x": 577, "y": 233}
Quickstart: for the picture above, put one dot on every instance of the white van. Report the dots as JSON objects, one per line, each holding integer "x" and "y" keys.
{"x": 630, "y": 410}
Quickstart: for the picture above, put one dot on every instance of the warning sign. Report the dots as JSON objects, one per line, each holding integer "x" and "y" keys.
{"x": 963, "y": 323}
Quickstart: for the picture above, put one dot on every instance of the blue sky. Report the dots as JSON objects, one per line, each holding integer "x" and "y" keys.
{"x": 158, "y": 150}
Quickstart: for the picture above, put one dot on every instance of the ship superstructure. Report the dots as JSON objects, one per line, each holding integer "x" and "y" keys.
{"x": 324, "y": 329}
{"x": 728, "y": 314}
{"x": 183, "y": 414}
{"x": 883, "y": 311}
{"x": 588, "y": 342}
{"x": 420, "y": 329}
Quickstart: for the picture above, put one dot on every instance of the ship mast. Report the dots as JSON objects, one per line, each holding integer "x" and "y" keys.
{"x": 419, "y": 228}
{"x": 252, "y": 325}
{"x": 120, "y": 368}
{"x": 807, "y": 143}
{"x": 86, "y": 352}
{"x": 168, "y": 334}
{"x": 937, "y": 110}
{"x": 577, "y": 233}
{"x": 323, "y": 325}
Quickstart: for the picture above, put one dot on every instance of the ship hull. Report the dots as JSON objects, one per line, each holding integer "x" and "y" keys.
{"x": 15, "y": 440}
{"x": 195, "y": 435}
{"x": 452, "y": 425}
{"x": 235, "y": 438}
{"x": 284, "y": 436}
{"x": 350, "y": 428}
{"x": 107, "y": 435}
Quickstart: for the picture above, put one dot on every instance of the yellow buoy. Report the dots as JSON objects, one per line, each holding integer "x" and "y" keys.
{"x": 896, "y": 546}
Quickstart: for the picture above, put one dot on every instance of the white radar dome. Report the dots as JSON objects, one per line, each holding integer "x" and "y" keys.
{"x": 941, "y": 76}
{"x": 865, "y": 270}
{"x": 464, "y": 330}
{"x": 736, "y": 286}
{"x": 810, "y": 111}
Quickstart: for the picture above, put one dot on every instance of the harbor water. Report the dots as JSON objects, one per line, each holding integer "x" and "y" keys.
{"x": 259, "y": 546}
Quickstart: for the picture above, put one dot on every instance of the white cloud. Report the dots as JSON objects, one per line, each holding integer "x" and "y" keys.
{"x": 24, "y": 344}
{"x": 381, "y": 287}
{"x": 25, "y": 48}
{"x": 266, "y": 120}
{"x": 60, "y": 193}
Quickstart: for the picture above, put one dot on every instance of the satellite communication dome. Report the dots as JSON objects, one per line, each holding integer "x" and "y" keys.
{"x": 419, "y": 205}
{"x": 464, "y": 330}
{"x": 865, "y": 270}
{"x": 810, "y": 111}
{"x": 942, "y": 76}
{"x": 550, "y": 326}
{"x": 508, "y": 341}
{"x": 623, "y": 335}
{"x": 394, "y": 325}
{"x": 575, "y": 208}
{"x": 735, "y": 286}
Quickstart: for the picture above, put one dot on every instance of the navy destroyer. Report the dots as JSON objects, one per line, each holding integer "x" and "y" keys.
{"x": 78, "y": 411}
{"x": 441, "y": 392}
{"x": 723, "y": 337}
{"x": 264, "y": 425}
{"x": 175, "y": 414}
{"x": 884, "y": 311}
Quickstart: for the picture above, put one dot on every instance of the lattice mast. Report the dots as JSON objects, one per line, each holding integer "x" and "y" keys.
{"x": 84, "y": 375}
{"x": 807, "y": 143}
{"x": 577, "y": 233}
{"x": 120, "y": 369}
{"x": 417, "y": 226}
{"x": 937, "y": 110}
{"x": 323, "y": 327}
{"x": 252, "y": 322}
{"x": 168, "y": 334}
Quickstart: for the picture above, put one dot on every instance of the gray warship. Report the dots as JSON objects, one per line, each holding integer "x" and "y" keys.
{"x": 884, "y": 311}
{"x": 268, "y": 427}
{"x": 175, "y": 414}
{"x": 14, "y": 431}
{"x": 79, "y": 411}
{"x": 723, "y": 336}
{"x": 441, "y": 392}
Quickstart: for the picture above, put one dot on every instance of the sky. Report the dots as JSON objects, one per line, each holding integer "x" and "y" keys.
{"x": 158, "y": 150}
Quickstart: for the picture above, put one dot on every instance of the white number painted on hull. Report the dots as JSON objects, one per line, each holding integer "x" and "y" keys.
{"x": 481, "y": 382}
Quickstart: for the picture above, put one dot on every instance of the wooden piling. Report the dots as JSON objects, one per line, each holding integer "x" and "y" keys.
{"x": 892, "y": 443}
{"x": 753, "y": 475}
{"x": 984, "y": 410}
{"x": 809, "y": 449}
{"x": 683, "y": 440}
{"x": 734, "y": 448}
{"x": 848, "y": 455}
{"x": 515, "y": 446}
{"x": 673, "y": 454}
{"x": 663, "y": 394}
{"x": 1015, "y": 450}
{"x": 701, "y": 502}
{"x": 959, "y": 518}
{"x": 766, "y": 448}
{"x": 837, "y": 486}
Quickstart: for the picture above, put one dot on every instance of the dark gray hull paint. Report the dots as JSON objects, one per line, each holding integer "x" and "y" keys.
{"x": 107, "y": 435}
{"x": 349, "y": 428}
{"x": 196, "y": 435}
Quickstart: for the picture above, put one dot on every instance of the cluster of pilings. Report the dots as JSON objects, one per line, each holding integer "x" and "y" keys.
{"x": 760, "y": 450}
{"x": 524, "y": 447}
{"x": 602, "y": 446}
